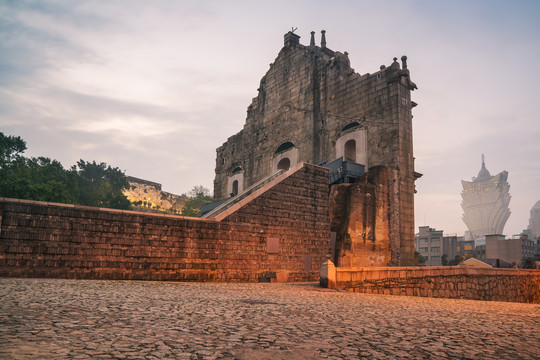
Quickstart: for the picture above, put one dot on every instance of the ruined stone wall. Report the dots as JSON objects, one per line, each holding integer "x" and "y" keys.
{"x": 148, "y": 196}
{"x": 364, "y": 216}
{"x": 53, "y": 240}
{"x": 456, "y": 282}
{"x": 311, "y": 97}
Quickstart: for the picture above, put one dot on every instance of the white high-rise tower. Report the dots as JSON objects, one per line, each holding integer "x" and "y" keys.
{"x": 485, "y": 202}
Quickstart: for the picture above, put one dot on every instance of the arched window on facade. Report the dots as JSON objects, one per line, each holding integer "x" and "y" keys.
{"x": 283, "y": 147}
{"x": 284, "y": 164}
{"x": 235, "y": 181}
{"x": 352, "y": 145}
{"x": 285, "y": 157}
{"x": 349, "y": 126}
{"x": 350, "y": 150}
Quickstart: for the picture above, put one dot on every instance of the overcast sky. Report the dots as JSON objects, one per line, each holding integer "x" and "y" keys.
{"x": 154, "y": 87}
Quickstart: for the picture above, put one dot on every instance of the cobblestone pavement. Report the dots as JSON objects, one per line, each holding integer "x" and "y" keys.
{"x": 69, "y": 319}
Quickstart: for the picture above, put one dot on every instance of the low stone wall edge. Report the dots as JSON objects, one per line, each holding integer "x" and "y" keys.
{"x": 461, "y": 282}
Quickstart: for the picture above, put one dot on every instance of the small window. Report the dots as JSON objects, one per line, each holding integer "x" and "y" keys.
{"x": 350, "y": 126}
{"x": 235, "y": 188}
{"x": 285, "y": 146}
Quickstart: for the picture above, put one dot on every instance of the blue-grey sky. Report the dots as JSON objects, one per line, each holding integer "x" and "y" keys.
{"x": 155, "y": 87}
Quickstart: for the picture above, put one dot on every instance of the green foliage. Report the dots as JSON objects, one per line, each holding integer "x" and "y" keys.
{"x": 101, "y": 185}
{"x": 528, "y": 263}
{"x": 33, "y": 178}
{"x": 444, "y": 260}
{"x": 455, "y": 261}
{"x": 197, "y": 197}
{"x": 44, "y": 179}
{"x": 11, "y": 148}
{"x": 40, "y": 179}
{"x": 421, "y": 259}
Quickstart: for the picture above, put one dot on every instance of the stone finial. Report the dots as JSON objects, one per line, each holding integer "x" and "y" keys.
{"x": 404, "y": 62}
{"x": 312, "y": 41}
{"x": 323, "y": 39}
{"x": 395, "y": 64}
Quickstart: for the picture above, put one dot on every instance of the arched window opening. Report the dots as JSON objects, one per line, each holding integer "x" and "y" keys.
{"x": 350, "y": 126}
{"x": 350, "y": 150}
{"x": 235, "y": 188}
{"x": 284, "y": 164}
{"x": 236, "y": 170}
{"x": 285, "y": 146}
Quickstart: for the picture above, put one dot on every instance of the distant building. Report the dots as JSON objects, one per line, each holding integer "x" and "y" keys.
{"x": 534, "y": 220}
{"x": 466, "y": 247}
{"x": 450, "y": 244}
{"x": 480, "y": 252}
{"x": 510, "y": 250}
{"x": 428, "y": 243}
{"x": 485, "y": 202}
{"x": 147, "y": 196}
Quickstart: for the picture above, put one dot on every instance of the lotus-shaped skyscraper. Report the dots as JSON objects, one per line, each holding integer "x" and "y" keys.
{"x": 485, "y": 202}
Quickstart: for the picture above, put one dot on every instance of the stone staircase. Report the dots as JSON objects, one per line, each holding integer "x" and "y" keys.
{"x": 241, "y": 196}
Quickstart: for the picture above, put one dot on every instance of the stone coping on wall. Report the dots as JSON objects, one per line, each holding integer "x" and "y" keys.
{"x": 377, "y": 273}
{"x": 95, "y": 208}
{"x": 458, "y": 282}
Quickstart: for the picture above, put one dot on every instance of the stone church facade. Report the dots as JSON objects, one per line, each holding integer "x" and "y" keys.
{"x": 313, "y": 107}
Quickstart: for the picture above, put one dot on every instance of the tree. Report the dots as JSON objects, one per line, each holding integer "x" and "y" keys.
{"x": 101, "y": 185}
{"x": 528, "y": 263}
{"x": 197, "y": 197}
{"x": 33, "y": 178}
{"x": 421, "y": 259}
{"x": 444, "y": 260}
{"x": 455, "y": 261}
{"x": 44, "y": 179}
{"x": 11, "y": 148}
{"x": 40, "y": 179}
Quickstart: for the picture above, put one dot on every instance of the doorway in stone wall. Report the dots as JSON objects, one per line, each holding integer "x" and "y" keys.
{"x": 350, "y": 150}
{"x": 284, "y": 164}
